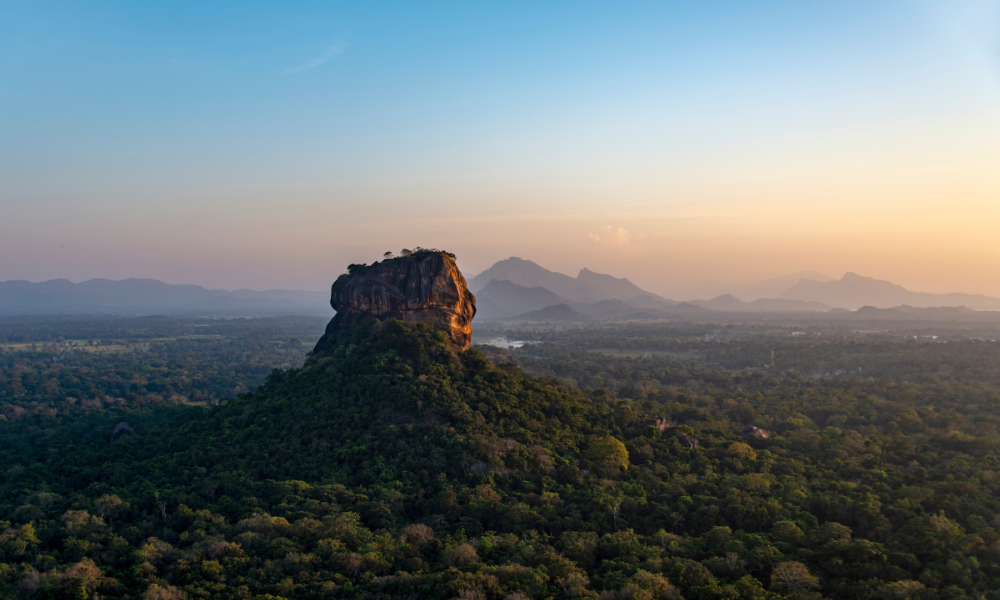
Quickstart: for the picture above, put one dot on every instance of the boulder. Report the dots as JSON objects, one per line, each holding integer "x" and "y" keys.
{"x": 756, "y": 432}
{"x": 661, "y": 423}
{"x": 423, "y": 286}
{"x": 121, "y": 429}
{"x": 686, "y": 440}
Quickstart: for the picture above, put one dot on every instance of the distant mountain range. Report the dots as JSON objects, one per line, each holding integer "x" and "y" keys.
{"x": 523, "y": 290}
{"x": 731, "y": 303}
{"x": 854, "y": 291}
{"x": 516, "y": 288}
{"x": 513, "y": 289}
{"x": 558, "y": 312}
{"x": 905, "y": 312}
{"x": 508, "y": 299}
{"x": 587, "y": 287}
{"x": 769, "y": 288}
{"x": 149, "y": 296}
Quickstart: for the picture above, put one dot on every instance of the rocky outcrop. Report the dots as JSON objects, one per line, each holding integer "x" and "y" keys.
{"x": 425, "y": 286}
{"x": 756, "y": 432}
{"x": 686, "y": 440}
{"x": 122, "y": 429}
{"x": 660, "y": 423}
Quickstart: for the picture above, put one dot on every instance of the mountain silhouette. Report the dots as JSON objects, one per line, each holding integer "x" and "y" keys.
{"x": 150, "y": 296}
{"x": 768, "y": 288}
{"x": 587, "y": 287}
{"x": 515, "y": 299}
{"x": 730, "y": 303}
{"x": 724, "y": 302}
{"x": 558, "y": 312}
{"x": 854, "y": 291}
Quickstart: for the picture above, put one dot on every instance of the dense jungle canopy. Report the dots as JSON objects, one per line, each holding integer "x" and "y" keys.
{"x": 393, "y": 467}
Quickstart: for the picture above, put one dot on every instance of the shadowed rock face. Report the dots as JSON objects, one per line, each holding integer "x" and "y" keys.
{"x": 121, "y": 430}
{"x": 426, "y": 286}
{"x": 687, "y": 441}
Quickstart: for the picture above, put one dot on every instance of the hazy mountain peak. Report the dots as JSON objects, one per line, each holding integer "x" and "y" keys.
{"x": 768, "y": 288}
{"x": 587, "y": 287}
{"x": 723, "y": 302}
{"x": 516, "y": 260}
{"x": 557, "y": 312}
{"x": 149, "y": 296}
{"x": 856, "y": 291}
{"x": 811, "y": 275}
{"x": 505, "y": 298}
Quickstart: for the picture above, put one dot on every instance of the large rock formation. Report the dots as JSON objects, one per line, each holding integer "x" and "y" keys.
{"x": 122, "y": 429}
{"x": 756, "y": 432}
{"x": 424, "y": 286}
{"x": 686, "y": 440}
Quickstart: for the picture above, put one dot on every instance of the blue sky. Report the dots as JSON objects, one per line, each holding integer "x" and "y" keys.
{"x": 248, "y": 144}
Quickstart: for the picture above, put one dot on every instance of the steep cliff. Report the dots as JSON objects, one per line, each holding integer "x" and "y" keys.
{"x": 424, "y": 286}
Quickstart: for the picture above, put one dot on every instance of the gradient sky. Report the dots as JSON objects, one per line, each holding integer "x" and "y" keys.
{"x": 261, "y": 145}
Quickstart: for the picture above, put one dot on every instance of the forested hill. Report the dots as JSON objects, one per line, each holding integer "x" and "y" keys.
{"x": 150, "y": 297}
{"x": 394, "y": 467}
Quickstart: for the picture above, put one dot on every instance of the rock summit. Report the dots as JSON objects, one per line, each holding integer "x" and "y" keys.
{"x": 425, "y": 285}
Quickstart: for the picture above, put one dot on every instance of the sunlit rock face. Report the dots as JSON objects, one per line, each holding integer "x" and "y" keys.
{"x": 426, "y": 286}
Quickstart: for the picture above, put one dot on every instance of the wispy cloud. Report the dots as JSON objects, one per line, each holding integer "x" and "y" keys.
{"x": 331, "y": 52}
{"x": 618, "y": 238}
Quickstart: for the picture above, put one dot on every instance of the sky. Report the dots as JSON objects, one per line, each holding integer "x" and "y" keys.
{"x": 269, "y": 144}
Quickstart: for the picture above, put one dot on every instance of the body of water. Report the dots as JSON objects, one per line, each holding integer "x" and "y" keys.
{"x": 502, "y": 342}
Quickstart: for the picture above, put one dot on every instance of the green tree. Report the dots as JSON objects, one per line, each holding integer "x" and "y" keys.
{"x": 609, "y": 452}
